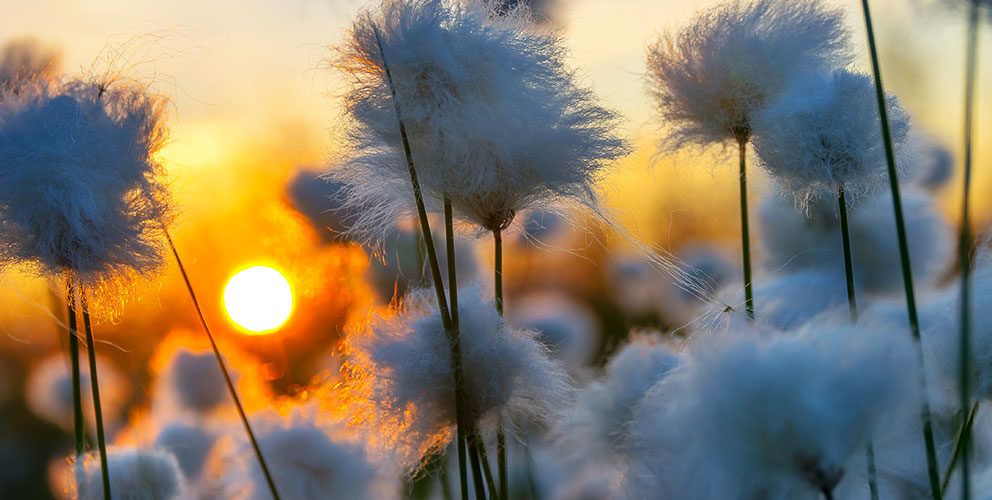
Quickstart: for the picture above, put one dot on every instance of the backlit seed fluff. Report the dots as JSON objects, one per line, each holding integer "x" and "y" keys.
{"x": 81, "y": 190}
{"x": 401, "y": 382}
{"x": 135, "y": 474}
{"x": 824, "y": 134}
{"x": 495, "y": 118}
{"x": 732, "y": 60}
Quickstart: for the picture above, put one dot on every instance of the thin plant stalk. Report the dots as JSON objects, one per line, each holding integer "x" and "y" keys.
{"x": 504, "y": 484}
{"x": 77, "y": 396}
{"x": 963, "y": 430}
{"x": 486, "y": 469}
{"x": 852, "y": 304}
{"x": 964, "y": 248}
{"x": 456, "y": 353}
{"x": 745, "y": 231}
{"x": 914, "y": 322}
{"x": 223, "y": 369}
{"x": 97, "y": 407}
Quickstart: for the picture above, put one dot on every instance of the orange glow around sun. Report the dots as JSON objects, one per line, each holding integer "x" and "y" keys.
{"x": 258, "y": 299}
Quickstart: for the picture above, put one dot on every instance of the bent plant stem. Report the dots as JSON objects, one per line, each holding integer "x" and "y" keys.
{"x": 964, "y": 251}
{"x": 442, "y": 303}
{"x": 963, "y": 430}
{"x": 745, "y": 231}
{"x": 223, "y": 369}
{"x": 914, "y": 322}
{"x": 504, "y": 486}
{"x": 77, "y": 397}
{"x": 852, "y": 303}
{"x": 97, "y": 408}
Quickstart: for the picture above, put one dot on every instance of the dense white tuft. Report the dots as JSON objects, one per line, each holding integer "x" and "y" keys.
{"x": 189, "y": 443}
{"x": 713, "y": 75}
{"x": 495, "y": 118}
{"x": 597, "y": 425}
{"x": 568, "y": 328}
{"x": 135, "y": 474}
{"x": 773, "y": 417}
{"x": 81, "y": 190}
{"x": 320, "y": 201}
{"x": 824, "y": 134}
{"x": 402, "y": 379}
{"x": 193, "y": 381}
{"x": 48, "y": 391}
{"x": 812, "y": 240}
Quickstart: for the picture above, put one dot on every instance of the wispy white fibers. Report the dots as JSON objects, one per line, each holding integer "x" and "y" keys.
{"x": 81, "y": 190}
{"x": 795, "y": 240}
{"x": 773, "y": 417}
{"x": 495, "y": 118}
{"x": 713, "y": 75}
{"x": 48, "y": 391}
{"x": 135, "y": 474}
{"x": 823, "y": 134}
{"x": 400, "y": 379}
{"x": 309, "y": 461}
{"x": 597, "y": 425}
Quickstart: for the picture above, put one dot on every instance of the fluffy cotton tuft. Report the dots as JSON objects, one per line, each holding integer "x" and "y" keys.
{"x": 774, "y": 417}
{"x": 597, "y": 426}
{"x": 48, "y": 391}
{"x": 402, "y": 383}
{"x": 24, "y": 62}
{"x": 189, "y": 443}
{"x": 81, "y": 190}
{"x": 306, "y": 462}
{"x": 495, "y": 118}
{"x": 135, "y": 474}
{"x": 193, "y": 381}
{"x": 711, "y": 77}
{"x": 568, "y": 328}
{"x": 824, "y": 134}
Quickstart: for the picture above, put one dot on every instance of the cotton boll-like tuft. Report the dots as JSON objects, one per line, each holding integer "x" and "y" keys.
{"x": 784, "y": 301}
{"x": 190, "y": 444}
{"x": 25, "y": 61}
{"x": 82, "y": 191}
{"x": 824, "y": 134}
{"x": 495, "y": 119}
{"x": 794, "y": 240}
{"x": 930, "y": 164}
{"x": 597, "y": 426}
{"x": 194, "y": 381}
{"x": 320, "y": 201}
{"x": 48, "y": 391}
{"x": 731, "y": 61}
{"x": 401, "y": 380}
{"x": 773, "y": 417}
{"x": 568, "y": 328}
{"x": 135, "y": 474}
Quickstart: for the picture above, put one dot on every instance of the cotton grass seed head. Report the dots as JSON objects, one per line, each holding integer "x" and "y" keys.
{"x": 81, "y": 190}
{"x": 135, "y": 474}
{"x": 824, "y": 134}
{"x": 495, "y": 118}
{"x": 401, "y": 381}
{"x": 710, "y": 77}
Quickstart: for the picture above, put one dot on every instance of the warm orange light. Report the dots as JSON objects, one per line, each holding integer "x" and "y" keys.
{"x": 258, "y": 299}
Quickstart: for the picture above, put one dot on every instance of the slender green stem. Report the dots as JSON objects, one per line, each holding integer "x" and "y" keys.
{"x": 476, "y": 463}
{"x": 914, "y": 322}
{"x": 963, "y": 430}
{"x": 97, "y": 407}
{"x": 504, "y": 481}
{"x": 852, "y": 304}
{"x": 77, "y": 397}
{"x": 964, "y": 249}
{"x": 425, "y": 228}
{"x": 223, "y": 369}
{"x": 486, "y": 469}
{"x": 745, "y": 232}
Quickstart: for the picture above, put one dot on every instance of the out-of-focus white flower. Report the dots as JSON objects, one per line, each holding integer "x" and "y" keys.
{"x": 135, "y": 474}
{"x": 48, "y": 391}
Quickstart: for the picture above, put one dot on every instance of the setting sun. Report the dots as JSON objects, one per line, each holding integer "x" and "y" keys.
{"x": 258, "y": 299}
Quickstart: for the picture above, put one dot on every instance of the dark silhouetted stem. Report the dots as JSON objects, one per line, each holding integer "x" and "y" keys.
{"x": 745, "y": 232}
{"x": 77, "y": 397}
{"x": 963, "y": 430}
{"x": 101, "y": 440}
{"x": 914, "y": 322}
{"x": 504, "y": 485}
{"x": 486, "y": 469}
{"x": 223, "y": 369}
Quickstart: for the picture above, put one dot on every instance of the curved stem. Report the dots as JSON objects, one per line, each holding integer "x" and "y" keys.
{"x": 223, "y": 369}
{"x": 914, "y": 322}
{"x": 97, "y": 408}
{"x": 79, "y": 425}
{"x": 745, "y": 231}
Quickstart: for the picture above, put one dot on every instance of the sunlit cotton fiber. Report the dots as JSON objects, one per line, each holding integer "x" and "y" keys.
{"x": 710, "y": 77}
{"x": 824, "y": 134}
{"x": 135, "y": 474}
{"x": 495, "y": 118}
{"x": 81, "y": 190}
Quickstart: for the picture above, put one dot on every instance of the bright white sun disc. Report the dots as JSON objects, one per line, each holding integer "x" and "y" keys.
{"x": 258, "y": 299}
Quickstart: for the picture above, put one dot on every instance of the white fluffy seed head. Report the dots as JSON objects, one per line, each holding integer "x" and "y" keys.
{"x": 48, "y": 391}
{"x": 772, "y": 417}
{"x": 824, "y": 134}
{"x": 135, "y": 474}
{"x": 189, "y": 443}
{"x": 193, "y": 381}
{"x": 713, "y": 75}
{"x": 401, "y": 379}
{"x": 82, "y": 191}
{"x": 494, "y": 117}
